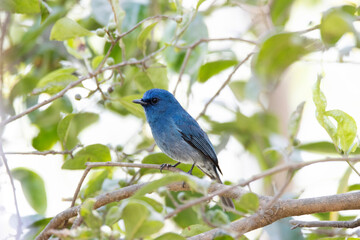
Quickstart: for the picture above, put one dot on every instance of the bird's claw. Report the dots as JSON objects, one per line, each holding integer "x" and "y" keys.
{"x": 164, "y": 165}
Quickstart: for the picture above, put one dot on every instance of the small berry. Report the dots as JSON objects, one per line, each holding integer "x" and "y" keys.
{"x": 78, "y": 97}
{"x": 119, "y": 148}
{"x": 110, "y": 89}
{"x": 111, "y": 26}
{"x": 110, "y": 61}
{"x": 100, "y": 32}
{"x": 178, "y": 19}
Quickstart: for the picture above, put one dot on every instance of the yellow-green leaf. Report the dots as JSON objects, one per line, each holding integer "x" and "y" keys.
{"x": 144, "y": 35}
{"x": 20, "y": 6}
{"x": 65, "y": 29}
{"x": 212, "y": 68}
{"x": 91, "y": 153}
{"x": 33, "y": 187}
{"x": 56, "y": 80}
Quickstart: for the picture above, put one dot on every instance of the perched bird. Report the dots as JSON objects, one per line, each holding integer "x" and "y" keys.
{"x": 178, "y": 135}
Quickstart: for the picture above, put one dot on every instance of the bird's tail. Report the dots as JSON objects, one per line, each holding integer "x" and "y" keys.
{"x": 225, "y": 200}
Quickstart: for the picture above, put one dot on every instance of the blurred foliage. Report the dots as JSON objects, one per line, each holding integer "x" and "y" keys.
{"x": 49, "y": 45}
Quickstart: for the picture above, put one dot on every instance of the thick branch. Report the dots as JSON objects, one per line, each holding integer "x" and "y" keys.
{"x": 333, "y": 224}
{"x": 282, "y": 209}
{"x": 287, "y": 208}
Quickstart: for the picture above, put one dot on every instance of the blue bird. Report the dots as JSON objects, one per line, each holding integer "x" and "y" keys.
{"x": 179, "y": 136}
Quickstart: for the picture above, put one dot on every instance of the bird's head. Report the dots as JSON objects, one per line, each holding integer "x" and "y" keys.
{"x": 157, "y": 101}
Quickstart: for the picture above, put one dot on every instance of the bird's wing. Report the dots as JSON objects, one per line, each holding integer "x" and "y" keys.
{"x": 192, "y": 133}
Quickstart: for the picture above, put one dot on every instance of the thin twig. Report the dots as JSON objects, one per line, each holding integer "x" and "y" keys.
{"x": 333, "y": 224}
{"x": 282, "y": 190}
{"x": 90, "y": 165}
{"x": 19, "y": 224}
{"x": 203, "y": 40}
{"x": 86, "y": 171}
{"x": 183, "y": 66}
{"x": 224, "y": 84}
{"x": 44, "y": 153}
{"x": 191, "y": 47}
{"x": 309, "y": 29}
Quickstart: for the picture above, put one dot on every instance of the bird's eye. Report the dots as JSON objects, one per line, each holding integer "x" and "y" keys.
{"x": 154, "y": 100}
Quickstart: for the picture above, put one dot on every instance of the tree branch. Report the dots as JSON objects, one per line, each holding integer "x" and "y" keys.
{"x": 282, "y": 209}
{"x": 18, "y": 218}
{"x": 287, "y": 208}
{"x": 224, "y": 84}
{"x": 333, "y": 224}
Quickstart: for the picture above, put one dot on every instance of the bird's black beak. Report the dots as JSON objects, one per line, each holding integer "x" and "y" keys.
{"x": 140, "y": 101}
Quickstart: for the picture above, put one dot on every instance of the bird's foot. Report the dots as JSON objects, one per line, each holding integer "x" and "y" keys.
{"x": 167, "y": 165}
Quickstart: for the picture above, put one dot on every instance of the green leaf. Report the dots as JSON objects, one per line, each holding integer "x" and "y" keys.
{"x": 160, "y": 158}
{"x": 294, "y": 123}
{"x": 343, "y": 184}
{"x": 238, "y": 89}
{"x": 143, "y": 82}
{"x": 277, "y": 53}
{"x": 188, "y": 216}
{"x": 57, "y": 80}
{"x": 44, "y": 11}
{"x": 153, "y": 203}
{"x": 318, "y": 147}
{"x": 113, "y": 215}
{"x": 280, "y": 11}
{"x": 20, "y": 6}
{"x": 346, "y": 130}
{"x": 210, "y": 69}
{"x": 344, "y": 134}
{"x": 320, "y": 103}
{"x": 96, "y": 61}
{"x": 33, "y": 187}
{"x": 336, "y": 22}
{"x": 158, "y": 75}
{"x": 46, "y": 139}
{"x": 195, "y": 230}
{"x": 140, "y": 220}
{"x": 167, "y": 179}
{"x": 170, "y": 235}
{"x": 199, "y": 3}
{"x": 249, "y": 202}
{"x": 91, "y": 217}
{"x": 71, "y": 125}
{"x": 224, "y": 236}
{"x": 218, "y": 217}
{"x": 94, "y": 184}
{"x": 133, "y": 108}
{"x": 144, "y": 35}
{"x": 65, "y": 29}
{"x": 354, "y": 187}
{"x": 91, "y": 153}
{"x": 153, "y": 77}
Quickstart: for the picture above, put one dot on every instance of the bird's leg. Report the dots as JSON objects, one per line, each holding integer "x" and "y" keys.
{"x": 191, "y": 169}
{"x": 168, "y": 165}
{"x": 189, "y": 172}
